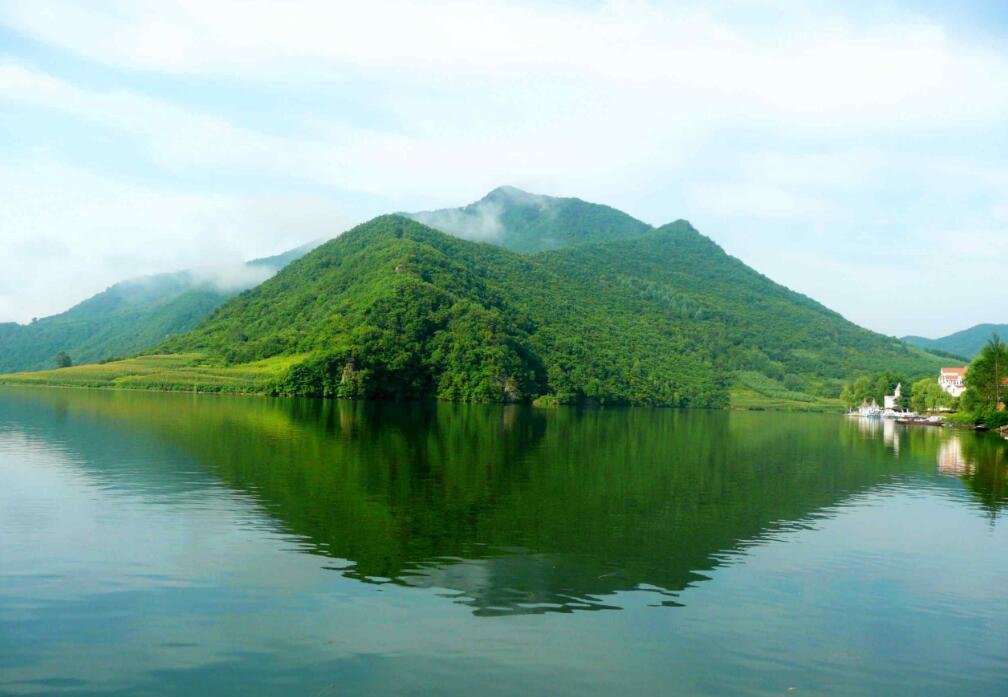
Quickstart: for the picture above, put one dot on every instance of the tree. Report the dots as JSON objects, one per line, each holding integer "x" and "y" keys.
{"x": 928, "y": 395}
{"x": 848, "y": 397}
{"x": 793, "y": 383}
{"x": 881, "y": 388}
{"x": 985, "y": 379}
{"x": 869, "y": 388}
{"x": 904, "y": 400}
{"x": 63, "y": 360}
{"x": 918, "y": 395}
{"x": 863, "y": 389}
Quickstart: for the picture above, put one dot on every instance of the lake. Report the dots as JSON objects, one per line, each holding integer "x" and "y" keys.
{"x": 166, "y": 544}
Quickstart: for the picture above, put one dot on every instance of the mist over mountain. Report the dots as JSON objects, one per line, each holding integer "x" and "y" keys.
{"x": 525, "y": 222}
{"x": 133, "y": 315}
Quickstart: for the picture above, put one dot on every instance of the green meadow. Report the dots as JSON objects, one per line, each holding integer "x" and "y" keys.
{"x": 181, "y": 372}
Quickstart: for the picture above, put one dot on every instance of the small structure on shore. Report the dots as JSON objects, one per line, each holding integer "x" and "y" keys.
{"x": 870, "y": 411}
{"x": 891, "y": 401}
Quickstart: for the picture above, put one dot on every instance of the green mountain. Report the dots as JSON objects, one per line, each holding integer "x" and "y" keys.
{"x": 965, "y": 344}
{"x": 524, "y": 222}
{"x": 131, "y": 316}
{"x": 396, "y": 309}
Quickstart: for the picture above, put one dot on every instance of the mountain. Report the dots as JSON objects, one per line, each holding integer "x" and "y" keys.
{"x": 396, "y": 309}
{"x": 965, "y": 344}
{"x": 524, "y": 222}
{"x": 132, "y": 315}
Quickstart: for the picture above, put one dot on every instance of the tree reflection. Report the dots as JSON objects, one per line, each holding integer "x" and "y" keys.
{"x": 985, "y": 469}
{"x": 513, "y": 509}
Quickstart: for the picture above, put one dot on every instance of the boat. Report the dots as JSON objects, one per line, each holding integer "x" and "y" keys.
{"x": 920, "y": 421}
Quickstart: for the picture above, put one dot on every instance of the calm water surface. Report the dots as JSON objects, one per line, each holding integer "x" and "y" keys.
{"x": 180, "y": 545}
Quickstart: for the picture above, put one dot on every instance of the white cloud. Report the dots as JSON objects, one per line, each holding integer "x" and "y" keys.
{"x": 68, "y": 234}
{"x": 750, "y": 119}
{"x": 889, "y": 74}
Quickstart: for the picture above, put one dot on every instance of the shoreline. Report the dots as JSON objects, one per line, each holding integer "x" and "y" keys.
{"x": 182, "y": 389}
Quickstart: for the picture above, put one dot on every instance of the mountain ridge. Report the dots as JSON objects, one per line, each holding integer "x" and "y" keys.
{"x": 964, "y": 344}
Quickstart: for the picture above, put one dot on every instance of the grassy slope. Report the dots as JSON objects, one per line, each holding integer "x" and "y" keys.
{"x": 758, "y": 395}
{"x": 178, "y": 372}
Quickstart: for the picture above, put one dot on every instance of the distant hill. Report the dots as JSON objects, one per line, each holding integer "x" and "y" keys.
{"x": 395, "y": 309}
{"x": 524, "y": 222}
{"x": 965, "y": 344}
{"x": 132, "y": 315}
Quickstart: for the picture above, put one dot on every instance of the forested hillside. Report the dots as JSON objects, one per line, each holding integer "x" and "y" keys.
{"x": 395, "y": 309}
{"x": 524, "y": 222}
{"x": 570, "y": 301}
{"x": 965, "y": 344}
{"x": 130, "y": 316}
{"x": 763, "y": 326}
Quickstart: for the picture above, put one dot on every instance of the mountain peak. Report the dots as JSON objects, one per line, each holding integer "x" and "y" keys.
{"x": 525, "y": 222}
{"x": 679, "y": 225}
{"x": 513, "y": 195}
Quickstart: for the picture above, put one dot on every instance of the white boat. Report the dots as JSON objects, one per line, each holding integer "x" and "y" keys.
{"x": 893, "y": 414}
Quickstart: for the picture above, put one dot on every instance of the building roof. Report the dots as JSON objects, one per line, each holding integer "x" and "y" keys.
{"x": 954, "y": 371}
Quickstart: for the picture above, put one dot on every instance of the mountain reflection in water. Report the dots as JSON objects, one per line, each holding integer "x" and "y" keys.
{"x": 513, "y": 509}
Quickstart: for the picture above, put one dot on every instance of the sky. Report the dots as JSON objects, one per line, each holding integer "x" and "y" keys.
{"x": 855, "y": 152}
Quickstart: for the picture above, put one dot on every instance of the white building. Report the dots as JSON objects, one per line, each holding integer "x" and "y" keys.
{"x": 890, "y": 400}
{"x": 953, "y": 380}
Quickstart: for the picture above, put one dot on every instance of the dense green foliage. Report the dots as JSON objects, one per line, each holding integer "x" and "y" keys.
{"x": 745, "y": 319}
{"x": 394, "y": 309}
{"x": 927, "y": 395}
{"x": 126, "y": 318}
{"x": 987, "y": 385}
{"x": 524, "y": 222}
{"x": 966, "y": 344}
